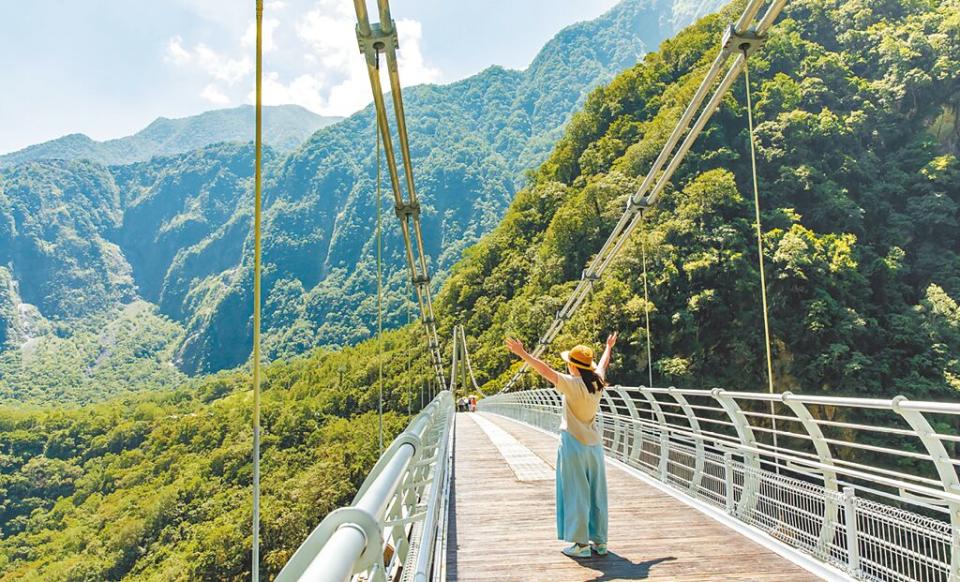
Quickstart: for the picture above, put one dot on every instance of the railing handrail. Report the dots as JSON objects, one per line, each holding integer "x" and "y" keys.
{"x": 725, "y": 432}
{"x": 352, "y": 539}
{"x": 920, "y": 405}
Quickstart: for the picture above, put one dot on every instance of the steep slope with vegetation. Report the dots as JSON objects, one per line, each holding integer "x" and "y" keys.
{"x": 856, "y": 105}
{"x": 471, "y": 142}
{"x": 860, "y": 186}
{"x": 157, "y": 487}
{"x": 285, "y": 128}
{"x": 175, "y": 230}
{"x": 124, "y": 350}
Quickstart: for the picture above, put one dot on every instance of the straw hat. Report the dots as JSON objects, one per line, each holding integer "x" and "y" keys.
{"x": 580, "y": 357}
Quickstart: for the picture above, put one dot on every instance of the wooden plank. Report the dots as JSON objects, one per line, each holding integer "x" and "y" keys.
{"x": 504, "y": 529}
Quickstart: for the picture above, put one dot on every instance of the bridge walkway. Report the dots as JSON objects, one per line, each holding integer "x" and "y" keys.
{"x": 502, "y": 525}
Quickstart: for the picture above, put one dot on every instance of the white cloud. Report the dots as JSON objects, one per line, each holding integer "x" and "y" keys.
{"x": 221, "y": 67}
{"x": 213, "y": 94}
{"x": 209, "y": 61}
{"x": 329, "y": 33}
{"x": 318, "y": 66}
{"x": 175, "y": 53}
{"x": 250, "y": 36}
{"x": 414, "y": 70}
{"x": 305, "y": 90}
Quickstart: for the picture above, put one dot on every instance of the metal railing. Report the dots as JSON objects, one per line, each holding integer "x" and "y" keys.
{"x": 869, "y": 486}
{"x": 395, "y": 527}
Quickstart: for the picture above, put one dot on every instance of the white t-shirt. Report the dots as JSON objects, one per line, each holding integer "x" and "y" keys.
{"x": 580, "y": 408}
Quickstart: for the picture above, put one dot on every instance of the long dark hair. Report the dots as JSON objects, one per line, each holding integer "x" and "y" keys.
{"x": 593, "y": 381}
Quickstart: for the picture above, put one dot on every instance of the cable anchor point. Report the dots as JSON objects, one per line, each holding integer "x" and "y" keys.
{"x": 409, "y": 209}
{"x": 638, "y": 204}
{"x": 377, "y": 41}
{"x": 746, "y": 42}
{"x": 420, "y": 281}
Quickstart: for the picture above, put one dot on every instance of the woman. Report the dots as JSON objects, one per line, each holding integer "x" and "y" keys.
{"x": 581, "y": 472}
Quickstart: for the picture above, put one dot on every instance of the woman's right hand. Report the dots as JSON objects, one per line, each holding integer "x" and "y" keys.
{"x": 514, "y": 345}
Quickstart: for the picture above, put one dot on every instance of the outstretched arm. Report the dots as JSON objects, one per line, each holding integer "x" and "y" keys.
{"x": 549, "y": 374}
{"x": 605, "y": 358}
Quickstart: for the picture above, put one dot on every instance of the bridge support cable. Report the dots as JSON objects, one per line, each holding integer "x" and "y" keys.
{"x": 746, "y": 47}
{"x": 257, "y": 204}
{"x": 468, "y": 367}
{"x": 374, "y": 39}
{"x": 406, "y": 302}
{"x": 866, "y": 500}
{"x": 646, "y": 307}
{"x": 379, "y": 206}
{"x": 747, "y": 29}
{"x": 454, "y": 362}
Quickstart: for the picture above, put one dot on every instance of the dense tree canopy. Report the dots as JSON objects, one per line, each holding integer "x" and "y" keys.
{"x": 157, "y": 486}
{"x": 858, "y": 139}
{"x": 856, "y": 103}
{"x": 175, "y": 230}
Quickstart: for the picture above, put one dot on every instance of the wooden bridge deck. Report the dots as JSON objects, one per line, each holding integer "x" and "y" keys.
{"x": 503, "y": 528}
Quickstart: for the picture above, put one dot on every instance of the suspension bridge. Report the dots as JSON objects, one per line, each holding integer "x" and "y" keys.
{"x": 704, "y": 484}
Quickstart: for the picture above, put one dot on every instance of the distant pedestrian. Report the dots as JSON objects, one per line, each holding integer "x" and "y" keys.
{"x": 581, "y": 471}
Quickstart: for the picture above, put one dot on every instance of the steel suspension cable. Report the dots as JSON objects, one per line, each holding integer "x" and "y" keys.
{"x": 373, "y": 40}
{"x": 763, "y": 278}
{"x": 659, "y": 176}
{"x": 466, "y": 361}
{"x": 258, "y": 146}
{"x": 646, "y": 306}
{"x": 379, "y": 292}
{"x": 410, "y": 372}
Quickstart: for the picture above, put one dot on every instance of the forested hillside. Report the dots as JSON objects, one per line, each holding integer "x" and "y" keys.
{"x": 78, "y": 239}
{"x": 857, "y": 109}
{"x": 156, "y": 486}
{"x": 285, "y": 128}
{"x": 856, "y": 106}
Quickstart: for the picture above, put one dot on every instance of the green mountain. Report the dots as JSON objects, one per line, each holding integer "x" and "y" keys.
{"x": 175, "y": 230}
{"x": 285, "y": 128}
{"x": 858, "y": 138}
{"x": 859, "y": 176}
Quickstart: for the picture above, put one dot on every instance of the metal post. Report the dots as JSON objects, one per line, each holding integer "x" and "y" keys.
{"x": 694, "y": 422}
{"x": 828, "y": 526}
{"x": 351, "y": 539}
{"x": 728, "y": 482}
{"x": 635, "y": 429}
{"x": 751, "y": 461}
{"x": 658, "y": 415}
{"x": 850, "y": 517}
{"x": 945, "y": 469}
{"x": 619, "y": 440}
{"x": 664, "y": 454}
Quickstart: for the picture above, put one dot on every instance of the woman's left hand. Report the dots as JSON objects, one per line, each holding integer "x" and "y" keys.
{"x": 516, "y": 347}
{"x": 612, "y": 340}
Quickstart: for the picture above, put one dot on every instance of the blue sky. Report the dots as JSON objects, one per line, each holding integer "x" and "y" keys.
{"x": 107, "y": 68}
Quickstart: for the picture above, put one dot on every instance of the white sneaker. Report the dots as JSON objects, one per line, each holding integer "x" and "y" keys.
{"x": 600, "y": 549}
{"x": 577, "y": 551}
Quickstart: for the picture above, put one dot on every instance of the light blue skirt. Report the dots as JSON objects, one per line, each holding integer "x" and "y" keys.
{"x": 581, "y": 491}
